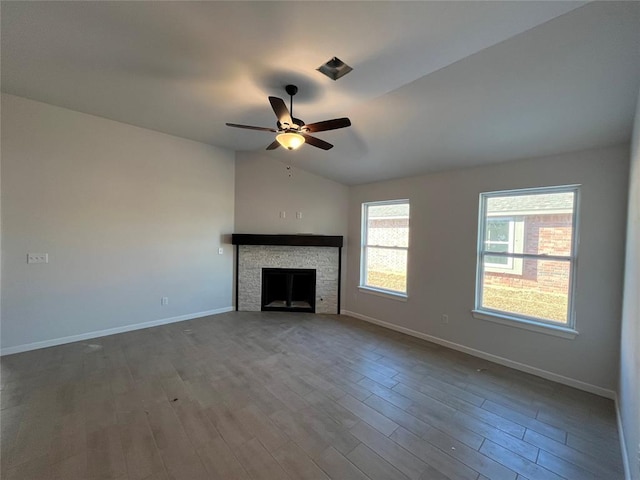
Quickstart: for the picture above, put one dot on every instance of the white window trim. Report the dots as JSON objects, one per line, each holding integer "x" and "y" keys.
{"x": 556, "y": 330}
{"x": 363, "y": 287}
{"x": 392, "y": 294}
{"x": 550, "y": 327}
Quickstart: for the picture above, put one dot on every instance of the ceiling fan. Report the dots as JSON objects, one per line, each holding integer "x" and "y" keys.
{"x": 293, "y": 132}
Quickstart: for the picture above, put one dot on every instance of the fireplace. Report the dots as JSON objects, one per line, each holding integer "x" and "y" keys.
{"x": 321, "y": 254}
{"x": 289, "y": 289}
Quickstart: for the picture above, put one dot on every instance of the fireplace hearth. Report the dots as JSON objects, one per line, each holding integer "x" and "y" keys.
{"x": 289, "y": 289}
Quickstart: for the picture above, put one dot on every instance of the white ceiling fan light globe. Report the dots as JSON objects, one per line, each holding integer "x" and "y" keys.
{"x": 290, "y": 140}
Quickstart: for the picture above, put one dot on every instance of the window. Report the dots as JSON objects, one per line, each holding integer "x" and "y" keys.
{"x": 504, "y": 235}
{"x": 385, "y": 241}
{"x": 527, "y": 256}
{"x": 499, "y": 239}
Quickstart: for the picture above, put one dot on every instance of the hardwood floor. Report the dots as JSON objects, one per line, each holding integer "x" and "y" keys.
{"x": 291, "y": 396}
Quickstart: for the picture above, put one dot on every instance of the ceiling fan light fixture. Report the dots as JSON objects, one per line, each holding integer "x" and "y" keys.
{"x": 293, "y": 132}
{"x": 290, "y": 140}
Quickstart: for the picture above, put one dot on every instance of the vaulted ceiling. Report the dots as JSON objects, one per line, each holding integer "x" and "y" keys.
{"x": 435, "y": 85}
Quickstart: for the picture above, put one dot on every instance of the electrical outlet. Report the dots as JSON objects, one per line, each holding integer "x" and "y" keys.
{"x": 444, "y": 318}
{"x": 164, "y": 301}
{"x": 37, "y": 258}
{"x": 283, "y": 214}
{"x": 298, "y": 215}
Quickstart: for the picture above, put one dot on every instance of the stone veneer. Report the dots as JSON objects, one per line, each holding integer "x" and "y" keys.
{"x": 253, "y": 258}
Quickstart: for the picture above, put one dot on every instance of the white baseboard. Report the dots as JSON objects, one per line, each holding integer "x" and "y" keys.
{"x": 109, "y": 331}
{"x": 587, "y": 387}
{"x": 623, "y": 443}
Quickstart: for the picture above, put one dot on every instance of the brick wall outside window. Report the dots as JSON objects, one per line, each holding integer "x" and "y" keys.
{"x": 550, "y": 234}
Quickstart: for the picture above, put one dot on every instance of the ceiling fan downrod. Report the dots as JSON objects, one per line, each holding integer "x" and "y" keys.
{"x": 291, "y": 91}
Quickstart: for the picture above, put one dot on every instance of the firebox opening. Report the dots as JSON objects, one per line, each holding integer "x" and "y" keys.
{"x": 289, "y": 289}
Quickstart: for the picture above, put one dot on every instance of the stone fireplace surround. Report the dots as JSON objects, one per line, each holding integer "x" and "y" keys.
{"x": 320, "y": 252}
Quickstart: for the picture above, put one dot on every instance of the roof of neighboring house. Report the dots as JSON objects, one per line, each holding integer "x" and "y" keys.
{"x": 389, "y": 211}
{"x": 557, "y": 202}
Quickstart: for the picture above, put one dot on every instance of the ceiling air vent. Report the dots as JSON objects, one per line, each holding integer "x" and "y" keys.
{"x": 334, "y": 68}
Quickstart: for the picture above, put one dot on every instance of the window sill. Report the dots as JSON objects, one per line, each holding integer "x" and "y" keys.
{"x": 402, "y": 297}
{"x": 555, "y": 330}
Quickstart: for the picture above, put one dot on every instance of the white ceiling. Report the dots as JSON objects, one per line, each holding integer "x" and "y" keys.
{"x": 436, "y": 85}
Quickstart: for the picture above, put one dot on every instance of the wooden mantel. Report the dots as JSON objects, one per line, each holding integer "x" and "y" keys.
{"x": 297, "y": 240}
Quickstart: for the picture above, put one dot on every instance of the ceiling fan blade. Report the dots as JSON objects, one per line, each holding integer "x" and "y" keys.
{"x": 249, "y": 127}
{"x": 328, "y": 125}
{"x": 272, "y": 146}
{"x": 316, "y": 142}
{"x": 281, "y": 111}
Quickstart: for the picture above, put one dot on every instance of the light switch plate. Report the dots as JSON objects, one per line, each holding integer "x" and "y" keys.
{"x": 220, "y": 251}
{"x": 37, "y": 258}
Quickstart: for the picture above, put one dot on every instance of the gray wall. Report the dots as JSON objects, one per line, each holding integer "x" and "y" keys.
{"x": 127, "y": 216}
{"x": 629, "y": 392}
{"x": 442, "y": 262}
{"x": 264, "y": 189}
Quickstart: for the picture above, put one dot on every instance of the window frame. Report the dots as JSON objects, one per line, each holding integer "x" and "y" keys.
{"x": 568, "y": 329}
{"x": 363, "y": 287}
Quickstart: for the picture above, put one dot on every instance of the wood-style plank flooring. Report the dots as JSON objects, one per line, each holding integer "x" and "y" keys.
{"x": 291, "y": 396}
